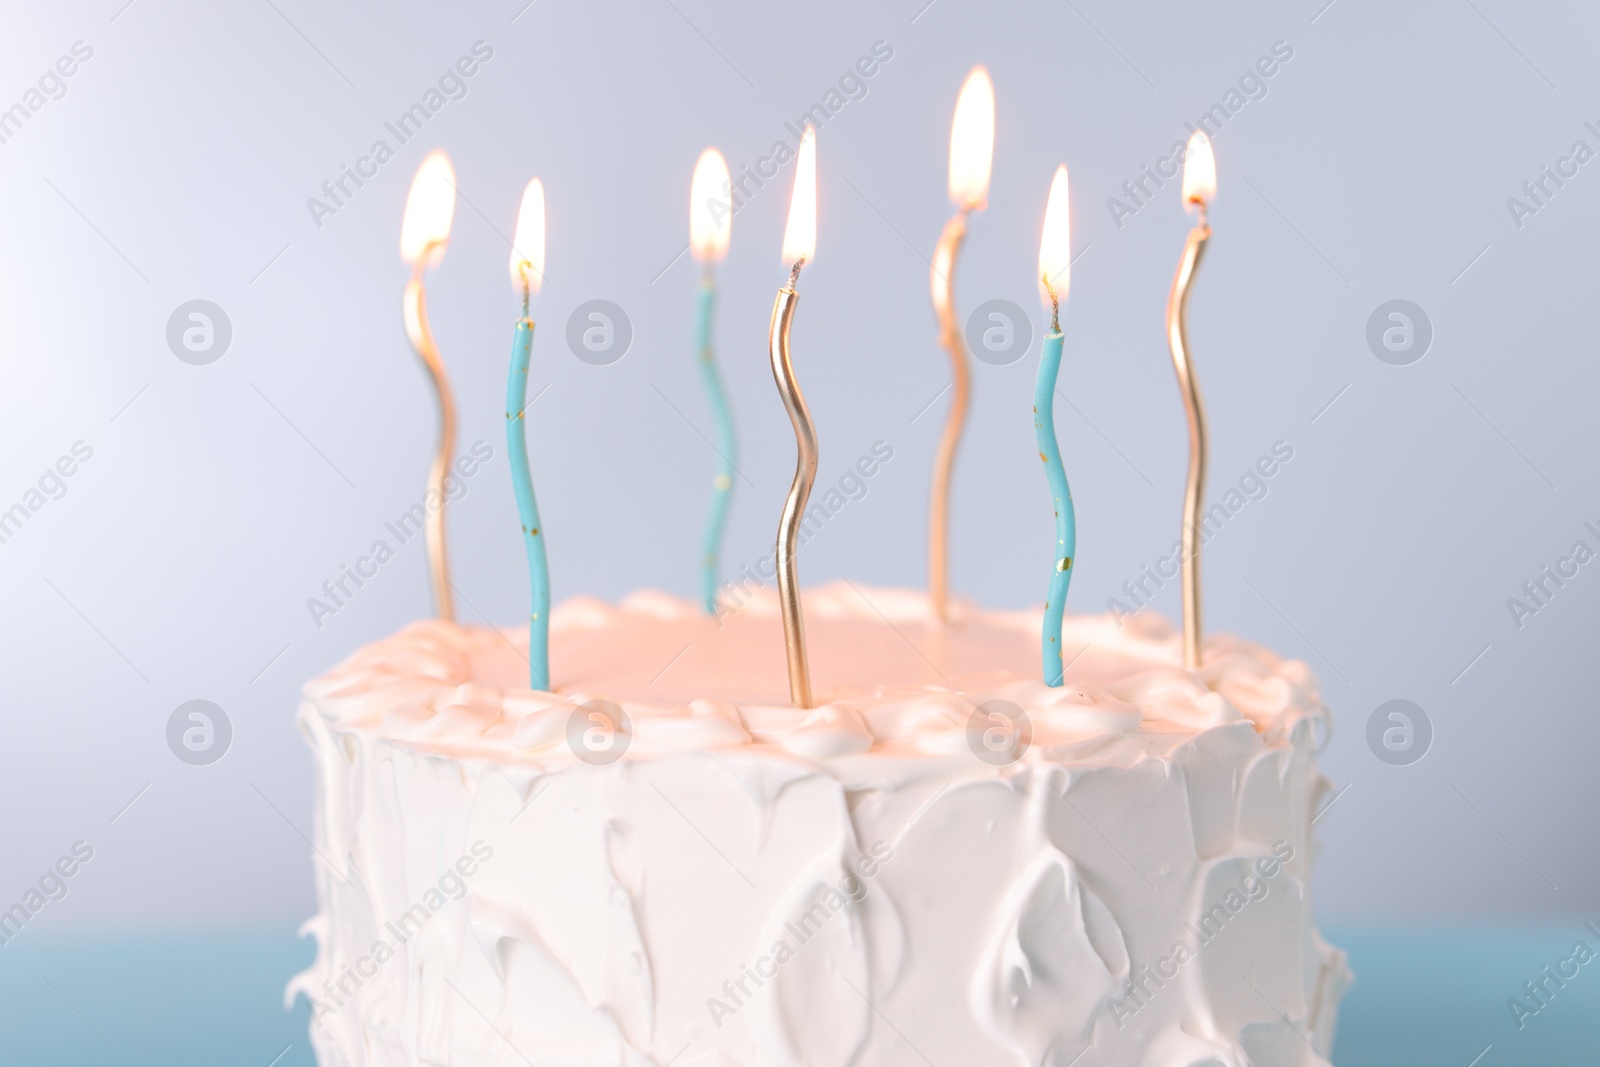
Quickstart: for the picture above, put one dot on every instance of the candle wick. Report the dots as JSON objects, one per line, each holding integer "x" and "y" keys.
{"x": 794, "y": 273}
{"x": 1055, "y": 304}
{"x": 522, "y": 268}
{"x": 424, "y": 260}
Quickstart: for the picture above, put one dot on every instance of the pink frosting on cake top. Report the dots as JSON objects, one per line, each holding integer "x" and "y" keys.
{"x": 888, "y": 679}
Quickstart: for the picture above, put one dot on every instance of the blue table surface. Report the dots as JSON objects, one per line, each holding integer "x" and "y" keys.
{"x": 1422, "y": 997}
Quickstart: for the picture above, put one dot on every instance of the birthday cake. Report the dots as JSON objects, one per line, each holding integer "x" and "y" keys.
{"x": 944, "y": 861}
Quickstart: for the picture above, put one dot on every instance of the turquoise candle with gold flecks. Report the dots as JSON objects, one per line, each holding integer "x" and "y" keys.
{"x": 710, "y": 220}
{"x": 528, "y": 507}
{"x": 527, "y": 273}
{"x": 1055, "y": 272}
{"x": 1044, "y": 432}
{"x": 722, "y": 482}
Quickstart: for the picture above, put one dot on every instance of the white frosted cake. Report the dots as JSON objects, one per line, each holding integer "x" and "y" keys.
{"x": 1113, "y": 873}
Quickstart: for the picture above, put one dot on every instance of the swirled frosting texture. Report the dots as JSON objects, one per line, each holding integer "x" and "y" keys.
{"x": 882, "y": 878}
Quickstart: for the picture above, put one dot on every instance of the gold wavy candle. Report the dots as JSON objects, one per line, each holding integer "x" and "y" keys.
{"x": 424, "y": 235}
{"x": 1199, "y": 188}
{"x": 971, "y": 160}
{"x": 799, "y": 245}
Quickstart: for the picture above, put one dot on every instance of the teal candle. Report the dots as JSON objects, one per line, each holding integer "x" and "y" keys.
{"x": 527, "y": 272}
{"x": 1044, "y": 432}
{"x": 1055, "y": 273}
{"x": 710, "y": 219}
{"x": 528, "y": 507}
{"x": 722, "y": 484}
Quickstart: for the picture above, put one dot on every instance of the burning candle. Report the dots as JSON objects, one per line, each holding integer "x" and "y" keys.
{"x": 799, "y": 246}
{"x": 1055, "y": 275}
{"x": 1199, "y": 189}
{"x": 527, "y": 272}
{"x": 710, "y": 220}
{"x": 971, "y": 159}
{"x": 424, "y": 234}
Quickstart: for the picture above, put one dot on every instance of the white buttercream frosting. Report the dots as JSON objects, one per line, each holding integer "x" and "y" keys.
{"x": 753, "y": 884}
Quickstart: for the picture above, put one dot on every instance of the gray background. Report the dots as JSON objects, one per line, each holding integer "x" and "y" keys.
{"x": 220, "y": 497}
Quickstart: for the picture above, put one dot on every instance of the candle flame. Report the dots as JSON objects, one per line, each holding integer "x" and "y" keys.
{"x": 710, "y": 207}
{"x": 430, "y": 206}
{"x": 972, "y": 141}
{"x": 527, "y": 248}
{"x": 800, "y": 235}
{"x": 1199, "y": 171}
{"x": 1055, "y": 245}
